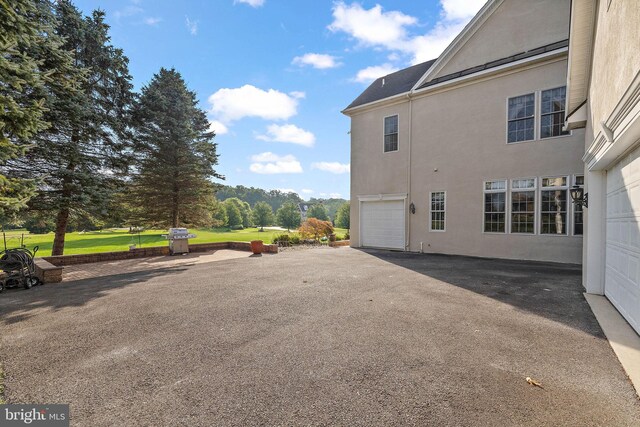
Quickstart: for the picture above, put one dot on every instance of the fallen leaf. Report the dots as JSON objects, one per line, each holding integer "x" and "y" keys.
{"x": 534, "y": 382}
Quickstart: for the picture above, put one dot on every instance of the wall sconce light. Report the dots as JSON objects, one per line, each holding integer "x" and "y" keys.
{"x": 579, "y": 197}
{"x": 412, "y": 208}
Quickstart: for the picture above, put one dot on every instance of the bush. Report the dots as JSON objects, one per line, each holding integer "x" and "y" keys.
{"x": 237, "y": 227}
{"x": 281, "y": 240}
{"x": 37, "y": 224}
{"x": 294, "y": 240}
{"x": 315, "y": 229}
{"x": 346, "y": 236}
{"x": 338, "y": 238}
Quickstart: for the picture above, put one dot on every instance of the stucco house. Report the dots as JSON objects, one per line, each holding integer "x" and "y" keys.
{"x": 467, "y": 153}
{"x": 603, "y": 99}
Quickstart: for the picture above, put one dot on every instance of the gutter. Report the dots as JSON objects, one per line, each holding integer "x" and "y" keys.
{"x": 408, "y": 239}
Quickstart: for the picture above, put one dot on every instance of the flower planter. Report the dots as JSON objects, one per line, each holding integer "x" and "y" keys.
{"x": 257, "y": 247}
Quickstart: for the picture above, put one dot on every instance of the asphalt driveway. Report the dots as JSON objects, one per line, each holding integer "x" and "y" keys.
{"x": 318, "y": 337}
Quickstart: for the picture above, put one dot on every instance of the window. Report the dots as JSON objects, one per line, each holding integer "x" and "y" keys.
{"x": 495, "y": 196}
{"x": 553, "y": 210}
{"x": 521, "y": 118}
{"x": 390, "y": 134}
{"x": 577, "y": 209}
{"x": 523, "y": 205}
{"x": 438, "y": 204}
{"x": 552, "y": 112}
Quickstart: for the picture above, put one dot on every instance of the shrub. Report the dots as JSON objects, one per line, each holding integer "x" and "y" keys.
{"x": 281, "y": 240}
{"x": 37, "y": 224}
{"x": 315, "y": 229}
{"x": 294, "y": 240}
{"x": 237, "y": 227}
{"x": 346, "y": 236}
{"x": 338, "y": 238}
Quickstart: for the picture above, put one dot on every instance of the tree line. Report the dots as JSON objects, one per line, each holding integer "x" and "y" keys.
{"x": 78, "y": 144}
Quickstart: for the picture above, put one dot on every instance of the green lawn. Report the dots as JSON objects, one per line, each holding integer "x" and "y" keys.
{"x": 120, "y": 239}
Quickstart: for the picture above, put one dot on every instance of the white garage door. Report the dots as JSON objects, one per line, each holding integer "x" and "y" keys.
{"x": 382, "y": 224}
{"x": 622, "y": 273}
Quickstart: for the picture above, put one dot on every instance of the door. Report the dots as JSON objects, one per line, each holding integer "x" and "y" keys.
{"x": 382, "y": 224}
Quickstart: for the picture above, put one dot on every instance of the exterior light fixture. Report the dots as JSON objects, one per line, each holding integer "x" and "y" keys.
{"x": 412, "y": 208}
{"x": 579, "y": 197}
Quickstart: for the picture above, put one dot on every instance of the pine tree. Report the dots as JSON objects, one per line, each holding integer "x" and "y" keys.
{"x": 79, "y": 158}
{"x": 31, "y": 59}
{"x": 288, "y": 216}
{"x": 176, "y": 155}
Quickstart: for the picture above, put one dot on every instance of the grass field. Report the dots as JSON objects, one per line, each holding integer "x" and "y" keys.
{"x": 120, "y": 239}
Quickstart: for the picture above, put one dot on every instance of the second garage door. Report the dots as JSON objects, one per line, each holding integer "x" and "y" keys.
{"x": 622, "y": 271}
{"x": 382, "y": 224}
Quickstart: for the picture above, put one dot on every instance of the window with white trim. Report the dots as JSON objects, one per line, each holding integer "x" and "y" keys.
{"x": 523, "y": 205}
{"x": 552, "y": 112}
{"x": 391, "y": 133}
{"x": 495, "y": 205}
{"x": 521, "y": 118}
{"x": 577, "y": 209}
{"x": 553, "y": 208}
{"x": 438, "y": 211}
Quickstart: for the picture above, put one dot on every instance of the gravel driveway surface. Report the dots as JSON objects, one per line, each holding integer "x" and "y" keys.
{"x": 318, "y": 337}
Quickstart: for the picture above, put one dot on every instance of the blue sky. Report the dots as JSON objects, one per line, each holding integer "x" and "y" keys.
{"x": 274, "y": 75}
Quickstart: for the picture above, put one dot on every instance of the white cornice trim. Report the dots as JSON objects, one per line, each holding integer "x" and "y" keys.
{"x": 382, "y": 197}
{"x": 461, "y": 39}
{"x": 395, "y": 99}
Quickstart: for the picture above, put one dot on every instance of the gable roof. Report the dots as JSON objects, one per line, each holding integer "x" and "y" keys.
{"x": 498, "y": 62}
{"x": 392, "y": 84}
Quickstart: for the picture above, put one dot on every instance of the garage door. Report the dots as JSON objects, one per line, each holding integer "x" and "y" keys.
{"x": 382, "y": 224}
{"x": 622, "y": 272}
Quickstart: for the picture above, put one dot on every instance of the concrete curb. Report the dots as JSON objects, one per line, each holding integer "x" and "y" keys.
{"x": 623, "y": 339}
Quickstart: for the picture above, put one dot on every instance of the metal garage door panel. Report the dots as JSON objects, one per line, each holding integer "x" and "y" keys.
{"x": 622, "y": 272}
{"x": 382, "y": 224}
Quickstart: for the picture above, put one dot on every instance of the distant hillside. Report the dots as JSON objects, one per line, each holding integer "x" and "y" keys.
{"x": 275, "y": 198}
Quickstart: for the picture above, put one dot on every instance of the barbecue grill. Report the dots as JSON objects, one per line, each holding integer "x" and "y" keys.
{"x": 179, "y": 240}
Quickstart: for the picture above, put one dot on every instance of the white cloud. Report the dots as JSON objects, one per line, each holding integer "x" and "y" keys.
{"x": 228, "y": 105}
{"x": 372, "y": 27}
{"x": 369, "y": 74}
{"x": 128, "y": 11}
{"x": 333, "y": 167}
{"x": 252, "y": 3}
{"x": 288, "y": 133}
{"x": 218, "y": 127}
{"x": 335, "y": 195}
{"x": 152, "y": 21}
{"x": 269, "y": 163}
{"x": 316, "y": 60}
{"x": 192, "y": 26}
{"x": 378, "y": 28}
{"x": 306, "y": 191}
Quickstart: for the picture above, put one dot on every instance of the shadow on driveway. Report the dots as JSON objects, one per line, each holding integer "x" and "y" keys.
{"x": 19, "y": 304}
{"x": 550, "y": 290}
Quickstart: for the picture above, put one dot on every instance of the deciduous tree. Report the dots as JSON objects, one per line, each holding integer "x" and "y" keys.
{"x": 315, "y": 229}
{"x": 319, "y": 212}
{"x": 343, "y": 216}
{"x": 288, "y": 216}
{"x": 262, "y": 215}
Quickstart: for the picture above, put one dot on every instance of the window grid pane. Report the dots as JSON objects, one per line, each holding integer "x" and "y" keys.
{"x": 552, "y": 113}
{"x": 391, "y": 133}
{"x": 438, "y": 211}
{"x": 495, "y": 212}
{"x": 577, "y": 210}
{"x": 553, "y": 212}
{"x": 521, "y": 118}
{"x": 523, "y": 206}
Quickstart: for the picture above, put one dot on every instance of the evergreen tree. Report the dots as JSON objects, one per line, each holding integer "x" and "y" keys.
{"x": 288, "y": 216}
{"x": 31, "y": 58}
{"x": 262, "y": 215}
{"x": 319, "y": 212}
{"x": 343, "y": 216}
{"x": 79, "y": 158}
{"x": 176, "y": 155}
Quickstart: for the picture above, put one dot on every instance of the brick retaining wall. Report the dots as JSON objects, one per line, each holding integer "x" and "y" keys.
{"x": 62, "y": 260}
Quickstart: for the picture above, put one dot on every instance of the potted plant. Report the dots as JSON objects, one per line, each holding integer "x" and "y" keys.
{"x": 257, "y": 247}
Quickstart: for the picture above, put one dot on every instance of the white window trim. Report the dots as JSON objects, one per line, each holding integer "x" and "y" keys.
{"x": 536, "y": 205}
{"x": 569, "y": 220}
{"x": 506, "y": 126}
{"x": 539, "y": 113}
{"x": 573, "y": 208}
{"x": 383, "y": 134}
{"x": 507, "y": 223}
{"x": 444, "y": 211}
{"x": 537, "y": 118}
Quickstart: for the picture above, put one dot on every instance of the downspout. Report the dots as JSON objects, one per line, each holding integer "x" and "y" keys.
{"x": 408, "y": 202}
